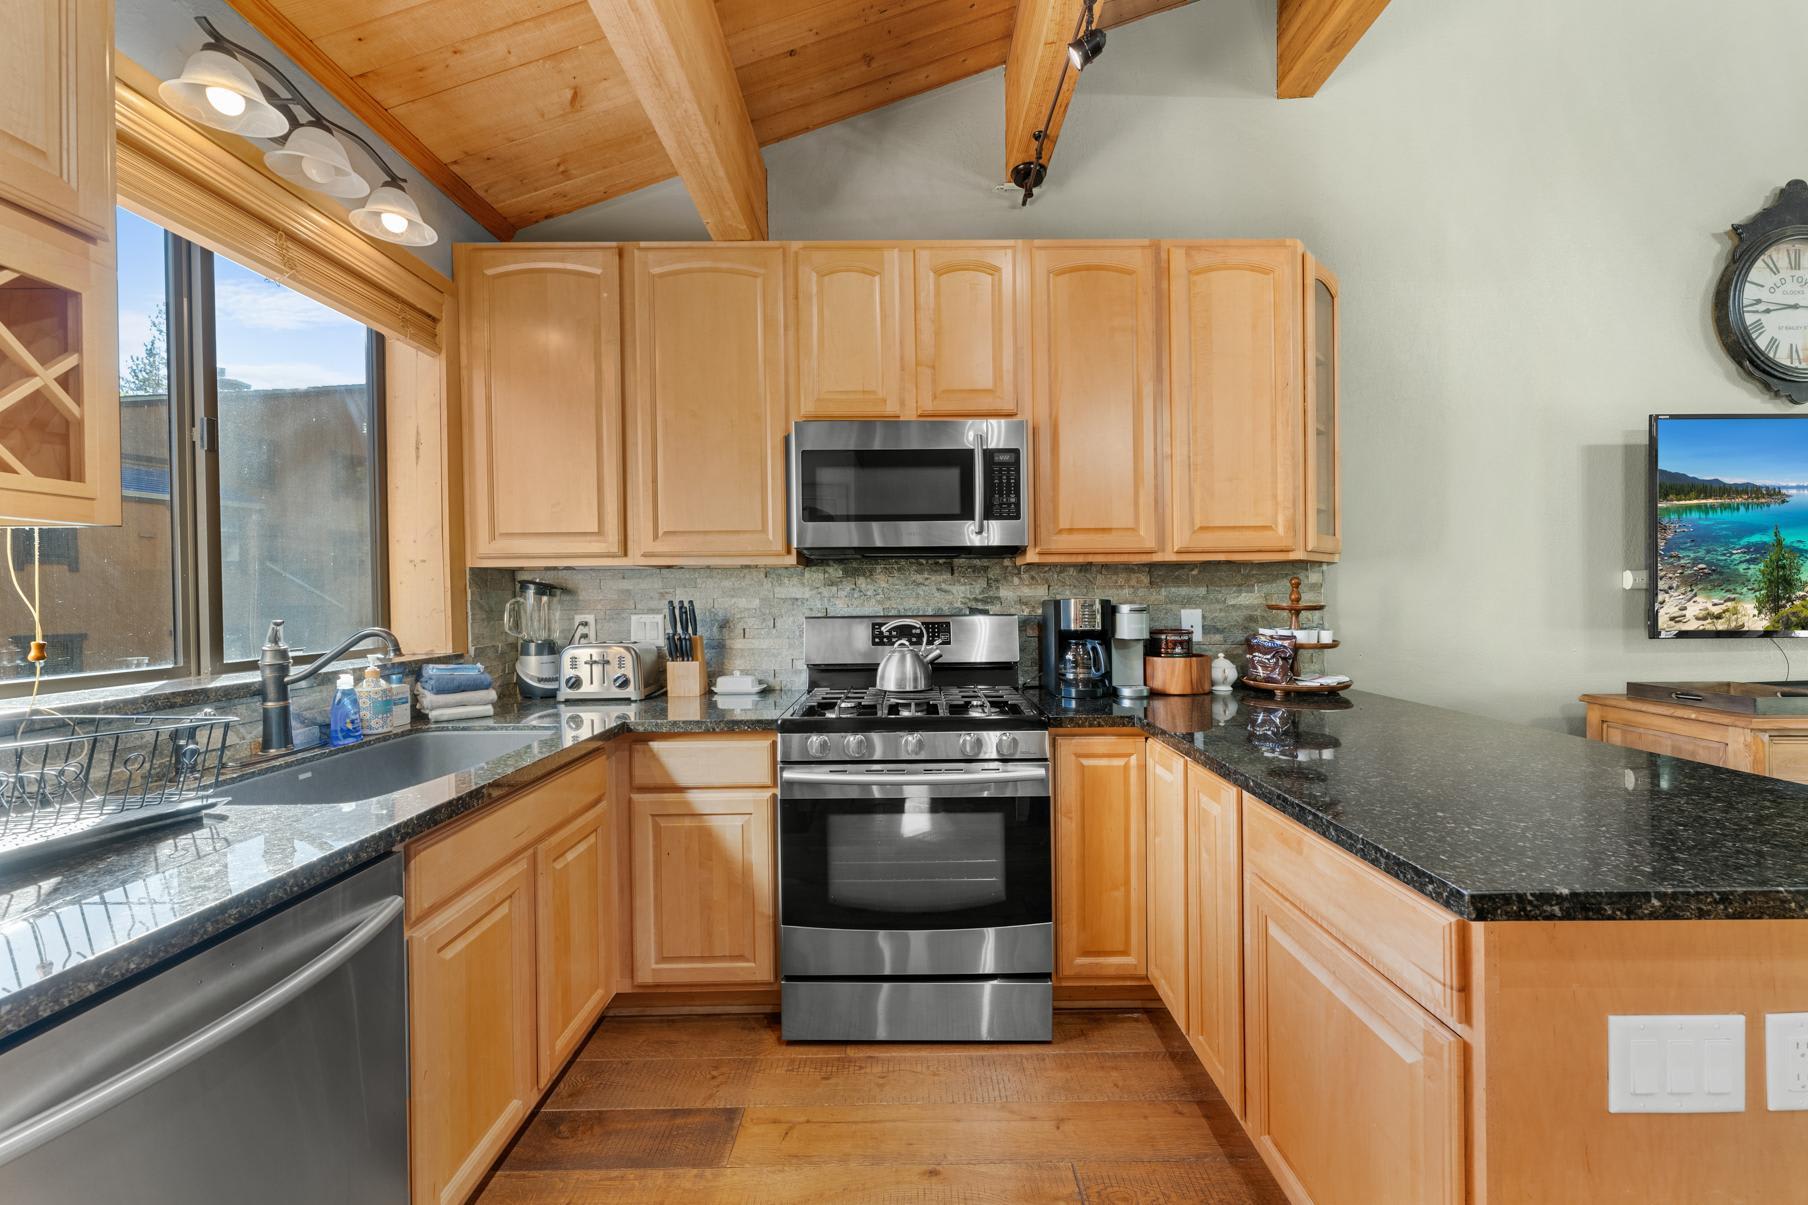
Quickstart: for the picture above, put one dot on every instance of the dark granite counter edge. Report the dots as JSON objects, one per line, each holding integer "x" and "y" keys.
{"x": 1756, "y": 903}
{"x": 24, "y": 1009}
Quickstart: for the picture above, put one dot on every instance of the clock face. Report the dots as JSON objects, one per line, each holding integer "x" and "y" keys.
{"x": 1773, "y": 304}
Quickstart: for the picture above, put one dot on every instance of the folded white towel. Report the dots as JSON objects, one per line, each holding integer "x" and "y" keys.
{"x": 460, "y": 713}
{"x": 1323, "y": 680}
{"x": 463, "y": 698}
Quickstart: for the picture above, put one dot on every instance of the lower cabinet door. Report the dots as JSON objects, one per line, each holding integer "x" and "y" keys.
{"x": 572, "y": 876}
{"x": 1214, "y": 1024}
{"x": 471, "y": 1033}
{"x": 1101, "y": 862}
{"x": 703, "y": 887}
{"x": 1355, "y": 1092}
{"x": 1168, "y": 878}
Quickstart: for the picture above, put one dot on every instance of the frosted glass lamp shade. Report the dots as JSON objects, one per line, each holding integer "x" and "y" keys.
{"x": 313, "y": 157}
{"x": 391, "y": 215}
{"x": 216, "y": 90}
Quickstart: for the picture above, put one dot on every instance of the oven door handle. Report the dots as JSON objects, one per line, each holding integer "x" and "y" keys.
{"x": 880, "y": 778}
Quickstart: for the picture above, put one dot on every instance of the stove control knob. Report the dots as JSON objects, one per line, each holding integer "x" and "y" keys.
{"x": 1007, "y": 745}
{"x": 972, "y": 744}
{"x": 854, "y": 744}
{"x": 913, "y": 744}
{"x": 817, "y": 746}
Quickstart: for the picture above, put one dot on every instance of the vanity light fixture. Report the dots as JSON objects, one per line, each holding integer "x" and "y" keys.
{"x": 217, "y": 89}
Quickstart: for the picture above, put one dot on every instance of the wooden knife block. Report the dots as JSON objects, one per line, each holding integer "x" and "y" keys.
{"x": 687, "y": 679}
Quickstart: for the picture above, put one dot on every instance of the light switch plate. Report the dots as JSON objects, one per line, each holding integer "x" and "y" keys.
{"x": 646, "y": 629}
{"x": 1786, "y": 1061}
{"x": 1193, "y": 619}
{"x": 1676, "y": 1064}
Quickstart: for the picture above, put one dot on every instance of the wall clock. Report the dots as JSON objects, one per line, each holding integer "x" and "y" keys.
{"x": 1761, "y": 303}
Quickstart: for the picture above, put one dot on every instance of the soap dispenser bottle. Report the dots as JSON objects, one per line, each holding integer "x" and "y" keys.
{"x": 373, "y": 699}
{"x": 345, "y": 727}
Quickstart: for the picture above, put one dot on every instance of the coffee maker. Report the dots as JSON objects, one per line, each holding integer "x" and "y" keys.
{"x": 1076, "y": 647}
{"x": 1129, "y": 629}
{"x": 529, "y": 618}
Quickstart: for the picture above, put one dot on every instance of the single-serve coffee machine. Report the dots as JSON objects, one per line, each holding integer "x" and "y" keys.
{"x": 1129, "y": 629}
{"x": 1076, "y": 647}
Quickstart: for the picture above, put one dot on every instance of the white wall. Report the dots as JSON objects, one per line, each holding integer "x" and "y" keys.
{"x": 159, "y": 35}
{"x": 1527, "y": 204}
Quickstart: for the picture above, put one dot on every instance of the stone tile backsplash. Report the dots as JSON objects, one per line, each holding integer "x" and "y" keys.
{"x": 752, "y": 618}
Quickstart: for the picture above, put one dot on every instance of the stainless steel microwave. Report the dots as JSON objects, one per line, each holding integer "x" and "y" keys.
{"x": 912, "y": 487}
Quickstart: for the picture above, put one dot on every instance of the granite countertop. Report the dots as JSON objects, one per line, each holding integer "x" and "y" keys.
{"x": 1498, "y": 821}
{"x": 74, "y": 927}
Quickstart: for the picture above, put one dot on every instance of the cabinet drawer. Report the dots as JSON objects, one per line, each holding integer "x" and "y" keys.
{"x": 678, "y": 764}
{"x": 441, "y": 863}
{"x": 1786, "y": 757}
{"x": 1415, "y": 943}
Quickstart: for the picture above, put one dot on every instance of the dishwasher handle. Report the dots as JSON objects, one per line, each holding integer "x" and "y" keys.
{"x": 53, "y": 1123}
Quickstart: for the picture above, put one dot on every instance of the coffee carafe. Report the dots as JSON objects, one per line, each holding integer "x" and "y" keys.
{"x": 1076, "y": 647}
{"x": 531, "y": 619}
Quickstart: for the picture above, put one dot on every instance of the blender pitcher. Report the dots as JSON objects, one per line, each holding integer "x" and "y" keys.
{"x": 529, "y": 618}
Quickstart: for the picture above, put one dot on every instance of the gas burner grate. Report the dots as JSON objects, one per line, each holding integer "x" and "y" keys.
{"x": 989, "y": 702}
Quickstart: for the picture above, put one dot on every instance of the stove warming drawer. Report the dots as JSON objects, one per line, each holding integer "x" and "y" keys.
{"x": 999, "y": 950}
{"x": 918, "y": 1010}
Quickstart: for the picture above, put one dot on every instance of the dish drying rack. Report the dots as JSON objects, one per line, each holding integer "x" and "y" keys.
{"x": 72, "y": 781}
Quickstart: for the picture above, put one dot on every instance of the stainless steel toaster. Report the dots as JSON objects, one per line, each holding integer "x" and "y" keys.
{"x": 611, "y": 671}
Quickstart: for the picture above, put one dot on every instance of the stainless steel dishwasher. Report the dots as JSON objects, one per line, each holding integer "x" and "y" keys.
{"x": 269, "y": 1067}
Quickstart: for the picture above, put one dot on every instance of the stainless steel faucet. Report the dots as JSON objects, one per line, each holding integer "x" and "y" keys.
{"x": 273, "y": 669}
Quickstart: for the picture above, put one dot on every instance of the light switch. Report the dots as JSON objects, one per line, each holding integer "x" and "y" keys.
{"x": 1676, "y": 1064}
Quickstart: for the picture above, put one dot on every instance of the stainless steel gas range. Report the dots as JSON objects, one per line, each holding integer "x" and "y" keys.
{"x": 915, "y": 889}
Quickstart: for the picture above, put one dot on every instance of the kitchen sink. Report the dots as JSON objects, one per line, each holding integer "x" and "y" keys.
{"x": 366, "y": 771}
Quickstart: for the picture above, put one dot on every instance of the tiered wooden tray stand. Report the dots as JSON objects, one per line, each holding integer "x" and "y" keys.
{"x": 1294, "y": 607}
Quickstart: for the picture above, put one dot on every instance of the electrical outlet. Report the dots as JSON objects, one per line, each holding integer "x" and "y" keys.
{"x": 1676, "y": 1064}
{"x": 646, "y": 629}
{"x": 1786, "y": 1060}
{"x": 583, "y": 629}
{"x": 1193, "y": 619}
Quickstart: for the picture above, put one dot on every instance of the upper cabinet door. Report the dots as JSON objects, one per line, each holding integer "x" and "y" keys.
{"x": 1093, "y": 347}
{"x": 544, "y": 405}
{"x": 56, "y": 112}
{"x": 852, "y": 332}
{"x": 967, "y": 330}
{"x": 1324, "y": 515}
{"x": 709, "y": 402}
{"x": 1235, "y": 472}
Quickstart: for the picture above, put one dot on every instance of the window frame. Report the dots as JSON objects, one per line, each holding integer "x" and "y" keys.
{"x": 198, "y": 635}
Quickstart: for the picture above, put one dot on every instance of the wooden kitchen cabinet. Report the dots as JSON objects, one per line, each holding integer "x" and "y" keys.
{"x": 708, "y": 411}
{"x": 56, "y": 113}
{"x": 1101, "y": 859}
{"x": 1214, "y": 904}
{"x": 1355, "y": 1093}
{"x": 1094, "y": 355}
{"x": 852, "y": 325}
{"x": 1324, "y": 506}
{"x": 703, "y": 888}
{"x": 573, "y": 885}
{"x": 1166, "y": 802}
{"x": 471, "y": 1032}
{"x": 543, "y": 403}
{"x": 968, "y": 334}
{"x": 1236, "y": 481}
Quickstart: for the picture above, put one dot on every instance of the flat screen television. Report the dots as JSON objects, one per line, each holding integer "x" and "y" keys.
{"x": 1729, "y": 525}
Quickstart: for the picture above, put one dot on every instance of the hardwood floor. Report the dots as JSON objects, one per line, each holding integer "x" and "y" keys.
{"x": 719, "y": 1109}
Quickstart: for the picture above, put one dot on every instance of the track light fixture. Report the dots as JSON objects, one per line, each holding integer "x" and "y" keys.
{"x": 1088, "y": 44}
{"x": 217, "y": 89}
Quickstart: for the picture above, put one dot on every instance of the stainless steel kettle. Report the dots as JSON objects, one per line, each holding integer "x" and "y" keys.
{"x": 906, "y": 670}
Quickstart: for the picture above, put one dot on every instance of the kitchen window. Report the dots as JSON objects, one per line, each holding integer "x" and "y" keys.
{"x": 251, "y": 453}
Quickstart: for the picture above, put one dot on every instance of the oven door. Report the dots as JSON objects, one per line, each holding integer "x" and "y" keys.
{"x": 890, "y": 487}
{"x": 921, "y": 869}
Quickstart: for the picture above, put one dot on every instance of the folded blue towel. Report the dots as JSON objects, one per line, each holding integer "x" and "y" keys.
{"x": 438, "y": 668}
{"x": 453, "y": 684}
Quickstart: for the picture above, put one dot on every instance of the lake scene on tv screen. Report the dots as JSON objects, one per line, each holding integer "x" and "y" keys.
{"x": 1732, "y": 524}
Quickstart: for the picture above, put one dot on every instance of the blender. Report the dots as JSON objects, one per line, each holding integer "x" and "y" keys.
{"x": 528, "y": 617}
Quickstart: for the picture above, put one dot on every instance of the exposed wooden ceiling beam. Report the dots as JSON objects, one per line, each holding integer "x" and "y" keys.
{"x": 676, "y": 57}
{"x": 1313, "y": 36}
{"x": 301, "y": 49}
{"x": 1036, "y": 92}
{"x": 1113, "y": 13}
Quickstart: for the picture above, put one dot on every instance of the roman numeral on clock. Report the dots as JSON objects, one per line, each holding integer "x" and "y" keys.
{"x": 1756, "y": 327}
{"x": 1795, "y": 259}
{"x": 1770, "y": 349}
{"x": 1771, "y": 263}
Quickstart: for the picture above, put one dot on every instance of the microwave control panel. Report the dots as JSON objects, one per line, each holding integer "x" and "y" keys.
{"x": 1004, "y": 483}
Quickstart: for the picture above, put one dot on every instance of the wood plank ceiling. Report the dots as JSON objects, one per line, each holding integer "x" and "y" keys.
{"x": 520, "y": 110}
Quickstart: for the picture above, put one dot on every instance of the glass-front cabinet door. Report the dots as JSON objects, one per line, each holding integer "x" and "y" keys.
{"x": 1324, "y": 522}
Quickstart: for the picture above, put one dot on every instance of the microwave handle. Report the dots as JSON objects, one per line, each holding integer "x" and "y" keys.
{"x": 976, "y": 435}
